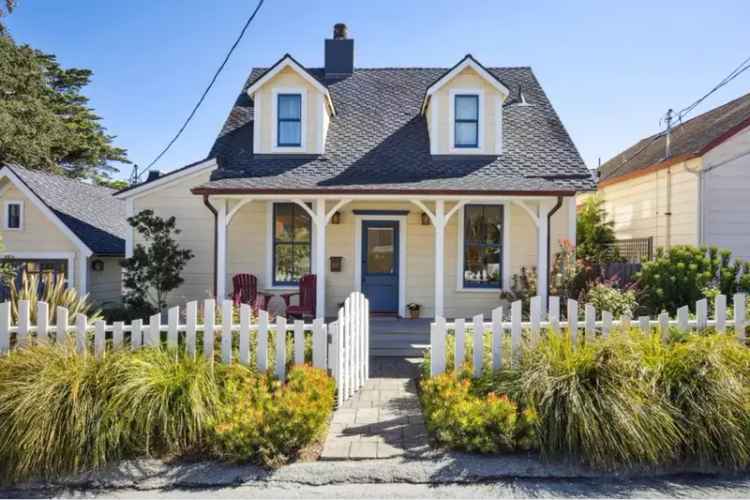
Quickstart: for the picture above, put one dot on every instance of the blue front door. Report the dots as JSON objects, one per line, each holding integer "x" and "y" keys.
{"x": 380, "y": 265}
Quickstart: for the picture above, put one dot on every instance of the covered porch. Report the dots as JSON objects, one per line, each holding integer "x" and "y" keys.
{"x": 396, "y": 248}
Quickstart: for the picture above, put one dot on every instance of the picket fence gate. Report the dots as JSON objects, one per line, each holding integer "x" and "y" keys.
{"x": 590, "y": 326}
{"x": 342, "y": 347}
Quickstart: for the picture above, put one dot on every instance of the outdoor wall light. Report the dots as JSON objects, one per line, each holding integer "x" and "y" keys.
{"x": 425, "y": 219}
{"x": 336, "y": 264}
{"x": 97, "y": 265}
{"x": 336, "y": 218}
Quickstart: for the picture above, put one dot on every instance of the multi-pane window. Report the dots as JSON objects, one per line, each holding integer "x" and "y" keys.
{"x": 292, "y": 229}
{"x": 466, "y": 116}
{"x": 483, "y": 246}
{"x": 289, "y": 126}
{"x": 13, "y": 216}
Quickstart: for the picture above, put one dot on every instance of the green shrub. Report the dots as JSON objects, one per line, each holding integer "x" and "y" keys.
{"x": 263, "y": 421}
{"x": 678, "y": 276}
{"x": 53, "y": 413}
{"x": 607, "y": 298}
{"x": 707, "y": 379}
{"x": 463, "y": 418}
{"x": 55, "y": 293}
{"x": 593, "y": 405}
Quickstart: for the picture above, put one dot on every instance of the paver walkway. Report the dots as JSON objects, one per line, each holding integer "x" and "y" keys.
{"x": 384, "y": 419}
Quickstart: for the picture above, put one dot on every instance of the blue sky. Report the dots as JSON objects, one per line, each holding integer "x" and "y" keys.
{"x": 611, "y": 69}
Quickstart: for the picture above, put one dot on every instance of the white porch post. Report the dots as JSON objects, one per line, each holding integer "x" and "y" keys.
{"x": 221, "y": 249}
{"x": 542, "y": 266}
{"x": 321, "y": 220}
{"x": 439, "y": 222}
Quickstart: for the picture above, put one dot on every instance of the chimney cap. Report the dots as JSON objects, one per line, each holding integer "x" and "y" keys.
{"x": 339, "y": 31}
{"x": 153, "y": 175}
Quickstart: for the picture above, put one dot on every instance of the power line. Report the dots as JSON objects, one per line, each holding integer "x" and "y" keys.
{"x": 744, "y": 66}
{"x": 205, "y": 92}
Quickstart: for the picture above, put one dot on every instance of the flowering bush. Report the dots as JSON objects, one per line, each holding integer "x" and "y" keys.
{"x": 463, "y": 418}
{"x": 264, "y": 421}
{"x": 608, "y": 298}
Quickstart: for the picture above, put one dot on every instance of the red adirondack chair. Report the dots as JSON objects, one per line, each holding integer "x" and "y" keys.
{"x": 246, "y": 291}
{"x": 306, "y": 307}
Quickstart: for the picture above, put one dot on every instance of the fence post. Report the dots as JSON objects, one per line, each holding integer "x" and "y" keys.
{"x": 720, "y": 312}
{"x": 367, "y": 339}
{"x": 478, "y": 345}
{"x": 573, "y": 320}
{"x": 136, "y": 330}
{"x": 299, "y": 342}
{"x": 209, "y": 328}
{"x": 42, "y": 322}
{"x": 535, "y": 315}
{"x": 61, "y": 327}
{"x": 319, "y": 344}
{"x": 154, "y": 330}
{"x": 515, "y": 332}
{"x": 227, "y": 317}
{"x": 625, "y": 321}
{"x": 261, "y": 356}
{"x": 606, "y": 323}
{"x": 355, "y": 342}
{"x": 739, "y": 316}
{"x": 245, "y": 313}
{"x": 644, "y": 323}
{"x": 701, "y": 313}
{"x": 99, "y": 339}
{"x": 191, "y": 327}
{"x": 554, "y": 313}
{"x": 664, "y": 325}
{"x": 4, "y": 327}
{"x": 117, "y": 334}
{"x": 590, "y": 320}
{"x": 81, "y": 327}
{"x": 497, "y": 338}
{"x": 173, "y": 319}
{"x": 337, "y": 363}
{"x": 437, "y": 346}
{"x": 682, "y": 318}
{"x": 459, "y": 354}
{"x": 280, "y": 348}
{"x": 22, "y": 334}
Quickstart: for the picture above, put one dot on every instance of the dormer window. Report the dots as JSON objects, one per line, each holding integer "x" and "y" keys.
{"x": 289, "y": 125}
{"x": 466, "y": 126}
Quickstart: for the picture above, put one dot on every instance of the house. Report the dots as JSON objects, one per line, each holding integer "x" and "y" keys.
{"x": 414, "y": 185}
{"x": 697, "y": 194}
{"x": 55, "y": 225}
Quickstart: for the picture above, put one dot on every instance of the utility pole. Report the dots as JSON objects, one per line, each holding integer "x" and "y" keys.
{"x": 668, "y": 143}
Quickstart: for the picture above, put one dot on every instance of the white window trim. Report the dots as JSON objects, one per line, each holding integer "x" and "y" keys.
{"x": 274, "y": 120}
{"x": 269, "y": 249}
{"x": 6, "y": 209}
{"x": 505, "y": 265}
{"x": 451, "y": 115}
{"x": 402, "y": 225}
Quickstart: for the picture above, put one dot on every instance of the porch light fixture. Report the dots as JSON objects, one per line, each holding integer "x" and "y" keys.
{"x": 425, "y": 219}
{"x": 336, "y": 218}
{"x": 97, "y": 265}
{"x": 336, "y": 264}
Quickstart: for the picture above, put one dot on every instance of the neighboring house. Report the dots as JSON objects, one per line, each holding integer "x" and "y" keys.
{"x": 56, "y": 225}
{"x": 426, "y": 185}
{"x": 698, "y": 195}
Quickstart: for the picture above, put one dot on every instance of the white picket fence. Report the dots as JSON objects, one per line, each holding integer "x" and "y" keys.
{"x": 589, "y": 327}
{"x": 341, "y": 346}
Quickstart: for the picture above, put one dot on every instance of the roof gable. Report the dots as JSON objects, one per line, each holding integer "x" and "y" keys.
{"x": 92, "y": 218}
{"x": 289, "y": 62}
{"x": 467, "y": 62}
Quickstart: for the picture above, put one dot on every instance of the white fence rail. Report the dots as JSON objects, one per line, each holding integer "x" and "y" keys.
{"x": 345, "y": 352}
{"x": 506, "y": 351}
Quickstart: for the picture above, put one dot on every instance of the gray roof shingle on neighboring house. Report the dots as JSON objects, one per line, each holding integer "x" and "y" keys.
{"x": 378, "y": 141}
{"x": 90, "y": 211}
{"x": 691, "y": 138}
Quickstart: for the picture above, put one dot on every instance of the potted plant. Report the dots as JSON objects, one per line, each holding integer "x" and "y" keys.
{"x": 413, "y": 310}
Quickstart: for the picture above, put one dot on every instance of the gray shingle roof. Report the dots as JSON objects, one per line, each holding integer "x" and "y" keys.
{"x": 90, "y": 211}
{"x": 378, "y": 142}
{"x": 694, "y": 137}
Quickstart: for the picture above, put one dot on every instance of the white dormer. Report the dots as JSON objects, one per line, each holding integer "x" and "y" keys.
{"x": 291, "y": 111}
{"x": 464, "y": 111}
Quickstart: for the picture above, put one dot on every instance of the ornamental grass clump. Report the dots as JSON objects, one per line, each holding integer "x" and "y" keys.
{"x": 593, "y": 405}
